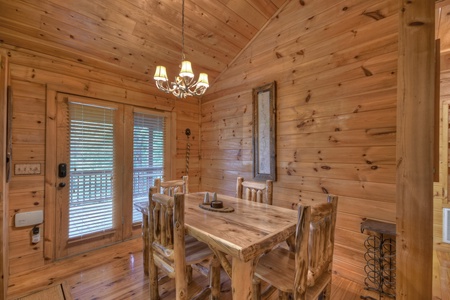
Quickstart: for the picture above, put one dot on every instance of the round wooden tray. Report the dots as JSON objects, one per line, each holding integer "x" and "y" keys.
{"x": 222, "y": 209}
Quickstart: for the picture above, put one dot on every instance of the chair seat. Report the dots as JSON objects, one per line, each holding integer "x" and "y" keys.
{"x": 278, "y": 269}
{"x": 196, "y": 251}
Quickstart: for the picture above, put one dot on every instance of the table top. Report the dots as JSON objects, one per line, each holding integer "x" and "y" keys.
{"x": 250, "y": 230}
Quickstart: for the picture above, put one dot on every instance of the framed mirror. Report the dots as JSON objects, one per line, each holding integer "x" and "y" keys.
{"x": 264, "y": 129}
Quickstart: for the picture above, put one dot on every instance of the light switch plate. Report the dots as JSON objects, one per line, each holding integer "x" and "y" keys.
{"x": 27, "y": 169}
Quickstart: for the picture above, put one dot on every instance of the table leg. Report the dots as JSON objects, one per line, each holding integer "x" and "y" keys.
{"x": 242, "y": 279}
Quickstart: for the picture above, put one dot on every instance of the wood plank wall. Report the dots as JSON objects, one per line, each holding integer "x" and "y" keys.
{"x": 335, "y": 64}
{"x": 32, "y": 76}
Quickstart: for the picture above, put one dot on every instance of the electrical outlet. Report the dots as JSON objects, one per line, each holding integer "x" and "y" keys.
{"x": 27, "y": 169}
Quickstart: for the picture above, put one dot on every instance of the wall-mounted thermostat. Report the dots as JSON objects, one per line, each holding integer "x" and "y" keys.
{"x": 29, "y": 218}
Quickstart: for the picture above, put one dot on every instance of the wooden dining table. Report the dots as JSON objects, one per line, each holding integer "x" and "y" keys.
{"x": 243, "y": 234}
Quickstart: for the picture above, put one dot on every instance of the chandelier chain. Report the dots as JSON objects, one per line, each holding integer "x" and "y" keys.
{"x": 182, "y": 32}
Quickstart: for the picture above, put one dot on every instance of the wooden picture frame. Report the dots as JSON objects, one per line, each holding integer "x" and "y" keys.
{"x": 264, "y": 129}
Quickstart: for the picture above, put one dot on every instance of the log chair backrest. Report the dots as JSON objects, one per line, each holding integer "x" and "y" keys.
{"x": 255, "y": 191}
{"x": 171, "y": 187}
{"x": 314, "y": 242}
{"x": 167, "y": 237}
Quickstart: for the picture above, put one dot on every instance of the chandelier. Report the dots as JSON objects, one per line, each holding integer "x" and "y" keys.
{"x": 184, "y": 84}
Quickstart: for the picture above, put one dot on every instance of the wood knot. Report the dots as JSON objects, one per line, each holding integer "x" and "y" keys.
{"x": 308, "y": 97}
{"x": 416, "y": 23}
{"x": 357, "y": 109}
{"x": 376, "y": 15}
{"x": 332, "y": 139}
{"x": 366, "y": 71}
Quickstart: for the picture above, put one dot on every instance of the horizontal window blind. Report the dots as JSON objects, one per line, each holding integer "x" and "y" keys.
{"x": 91, "y": 196}
{"x": 148, "y": 155}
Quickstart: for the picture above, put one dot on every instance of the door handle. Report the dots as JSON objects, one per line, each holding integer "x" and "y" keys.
{"x": 62, "y": 184}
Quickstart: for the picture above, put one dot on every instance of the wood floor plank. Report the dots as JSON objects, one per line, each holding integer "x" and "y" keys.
{"x": 54, "y": 292}
{"x": 116, "y": 272}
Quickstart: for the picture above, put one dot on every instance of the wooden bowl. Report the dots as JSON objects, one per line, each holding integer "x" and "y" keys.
{"x": 216, "y": 204}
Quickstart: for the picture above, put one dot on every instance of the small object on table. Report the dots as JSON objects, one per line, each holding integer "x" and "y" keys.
{"x": 206, "y": 198}
{"x": 216, "y": 204}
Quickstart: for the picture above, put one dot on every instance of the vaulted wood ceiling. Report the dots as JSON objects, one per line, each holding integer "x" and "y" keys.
{"x": 131, "y": 37}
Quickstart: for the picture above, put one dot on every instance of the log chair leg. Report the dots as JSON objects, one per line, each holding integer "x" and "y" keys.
{"x": 145, "y": 239}
{"x": 283, "y": 295}
{"x": 327, "y": 292}
{"x": 256, "y": 289}
{"x": 188, "y": 274}
{"x": 153, "y": 281}
{"x": 214, "y": 278}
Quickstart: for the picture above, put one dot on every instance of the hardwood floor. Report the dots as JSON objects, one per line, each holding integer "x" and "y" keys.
{"x": 116, "y": 272}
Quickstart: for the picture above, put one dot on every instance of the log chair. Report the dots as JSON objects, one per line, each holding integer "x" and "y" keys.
{"x": 304, "y": 270}
{"x": 170, "y": 250}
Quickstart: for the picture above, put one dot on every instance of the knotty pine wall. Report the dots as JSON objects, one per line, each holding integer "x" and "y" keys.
{"x": 32, "y": 76}
{"x": 335, "y": 64}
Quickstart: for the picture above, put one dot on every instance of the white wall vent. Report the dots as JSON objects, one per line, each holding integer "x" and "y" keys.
{"x": 446, "y": 225}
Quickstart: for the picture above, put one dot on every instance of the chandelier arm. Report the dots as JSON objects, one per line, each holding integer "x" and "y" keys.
{"x": 160, "y": 85}
{"x": 192, "y": 87}
{"x": 200, "y": 90}
{"x": 165, "y": 86}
